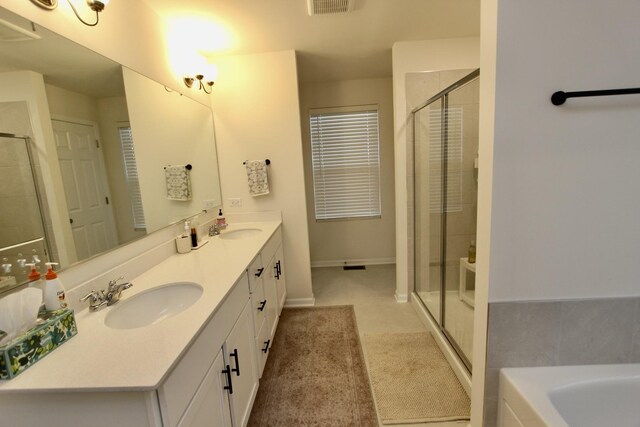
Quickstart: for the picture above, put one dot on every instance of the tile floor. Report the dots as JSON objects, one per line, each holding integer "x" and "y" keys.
{"x": 371, "y": 292}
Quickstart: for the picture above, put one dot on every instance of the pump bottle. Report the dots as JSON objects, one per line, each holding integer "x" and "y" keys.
{"x": 54, "y": 297}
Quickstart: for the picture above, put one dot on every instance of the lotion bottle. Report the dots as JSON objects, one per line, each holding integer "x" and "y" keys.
{"x": 221, "y": 221}
{"x": 54, "y": 297}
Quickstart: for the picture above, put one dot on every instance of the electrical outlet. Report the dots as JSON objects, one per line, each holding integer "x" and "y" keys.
{"x": 235, "y": 203}
{"x": 209, "y": 204}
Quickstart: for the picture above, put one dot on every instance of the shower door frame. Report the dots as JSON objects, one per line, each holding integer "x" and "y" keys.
{"x": 443, "y": 97}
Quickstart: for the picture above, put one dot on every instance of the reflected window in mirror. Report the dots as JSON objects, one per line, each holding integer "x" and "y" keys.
{"x": 131, "y": 172}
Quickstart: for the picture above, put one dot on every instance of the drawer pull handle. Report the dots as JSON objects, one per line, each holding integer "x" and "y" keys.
{"x": 230, "y": 385}
{"x": 259, "y": 273}
{"x": 278, "y": 269}
{"x": 262, "y": 304}
{"x": 266, "y": 346}
{"x": 237, "y": 368}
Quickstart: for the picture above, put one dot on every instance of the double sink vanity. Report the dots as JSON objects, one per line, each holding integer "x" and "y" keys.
{"x": 185, "y": 346}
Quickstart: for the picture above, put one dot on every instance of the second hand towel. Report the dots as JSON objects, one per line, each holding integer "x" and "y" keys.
{"x": 178, "y": 182}
{"x": 257, "y": 177}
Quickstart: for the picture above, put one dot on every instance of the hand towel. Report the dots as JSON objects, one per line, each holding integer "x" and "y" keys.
{"x": 178, "y": 182}
{"x": 257, "y": 177}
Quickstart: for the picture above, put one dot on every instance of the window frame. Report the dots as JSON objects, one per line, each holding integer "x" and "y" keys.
{"x": 373, "y": 208}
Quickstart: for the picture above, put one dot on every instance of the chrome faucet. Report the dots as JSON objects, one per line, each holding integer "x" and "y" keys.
{"x": 99, "y": 299}
{"x": 214, "y": 230}
{"x": 114, "y": 291}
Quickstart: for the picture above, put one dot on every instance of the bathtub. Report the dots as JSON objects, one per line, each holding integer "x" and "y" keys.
{"x": 574, "y": 396}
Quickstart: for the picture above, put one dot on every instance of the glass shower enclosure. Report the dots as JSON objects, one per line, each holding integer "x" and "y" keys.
{"x": 445, "y": 138}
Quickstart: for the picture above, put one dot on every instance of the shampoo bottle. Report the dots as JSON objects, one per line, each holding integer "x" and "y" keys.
{"x": 54, "y": 297}
{"x": 472, "y": 252}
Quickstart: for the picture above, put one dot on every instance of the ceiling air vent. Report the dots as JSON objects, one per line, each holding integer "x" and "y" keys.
{"x": 325, "y": 7}
{"x": 12, "y": 33}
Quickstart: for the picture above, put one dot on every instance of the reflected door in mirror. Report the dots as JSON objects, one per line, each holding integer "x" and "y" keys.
{"x": 86, "y": 188}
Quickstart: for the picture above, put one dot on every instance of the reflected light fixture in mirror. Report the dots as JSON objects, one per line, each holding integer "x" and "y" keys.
{"x": 46, "y": 4}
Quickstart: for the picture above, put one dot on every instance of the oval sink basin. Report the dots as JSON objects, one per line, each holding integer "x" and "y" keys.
{"x": 241, "y": 233}
{"x": 153, "y": 306}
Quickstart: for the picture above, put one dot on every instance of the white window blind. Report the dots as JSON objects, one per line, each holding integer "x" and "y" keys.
{"x": 454, "y": 160}
{"x": 345, "y": 154}
{"x": 131, "y": 174}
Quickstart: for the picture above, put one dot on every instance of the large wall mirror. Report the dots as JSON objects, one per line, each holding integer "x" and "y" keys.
{"x": 88, "y": 149}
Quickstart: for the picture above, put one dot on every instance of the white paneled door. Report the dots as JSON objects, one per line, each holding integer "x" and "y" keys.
{"x": 86, "y": 187}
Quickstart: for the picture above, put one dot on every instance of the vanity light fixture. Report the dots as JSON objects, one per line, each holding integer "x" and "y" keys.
{"x": 46, "y": 4}
{"x": 96, "y": 5}
{"x": 202, "y": 84}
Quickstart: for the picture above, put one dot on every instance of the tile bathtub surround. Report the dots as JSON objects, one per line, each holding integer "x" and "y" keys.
{"x": 560, "y": 332}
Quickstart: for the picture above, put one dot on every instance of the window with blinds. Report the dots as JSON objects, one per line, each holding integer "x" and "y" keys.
{"x": 453, "y": 157}
{"x": 131, "y": 174}
{"x": 345, "y": 153}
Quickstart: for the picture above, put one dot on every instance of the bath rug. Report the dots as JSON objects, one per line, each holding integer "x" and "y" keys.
{"x": 315, "y": 374}
{"x": 412, "y": 381}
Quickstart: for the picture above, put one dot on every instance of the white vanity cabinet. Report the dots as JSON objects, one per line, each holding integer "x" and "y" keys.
{"x": 209, "y": 406}
{"x": 268, "y": 294}
{"x": 218, "y": 374}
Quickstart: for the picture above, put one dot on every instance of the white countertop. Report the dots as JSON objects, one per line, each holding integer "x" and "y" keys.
{"x": 99, "y": 358}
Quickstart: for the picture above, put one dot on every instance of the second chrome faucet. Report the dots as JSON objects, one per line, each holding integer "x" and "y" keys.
{"x": 99, "y": 299}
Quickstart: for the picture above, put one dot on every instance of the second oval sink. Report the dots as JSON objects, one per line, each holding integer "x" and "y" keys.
{"x": 240, "y": 233}
{"x": 154, "y": 305}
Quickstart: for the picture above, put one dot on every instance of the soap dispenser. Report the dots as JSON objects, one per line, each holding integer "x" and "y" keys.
{"x": 54, "y": 297}
{"x": 34, "y": 277}
{"x": 221, "y": 221}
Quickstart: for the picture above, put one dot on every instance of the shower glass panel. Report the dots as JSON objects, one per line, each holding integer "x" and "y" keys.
{"x": 445, "y": 198}
{"x": 428, "y": 215}
{"x": 22, "y": 230}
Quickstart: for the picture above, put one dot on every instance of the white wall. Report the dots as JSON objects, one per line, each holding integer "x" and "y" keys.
{"x": 565, "y": 179}
{"x": 113, "y": 114}
{"x": 257, "y": 116}
{"x": 358, "y": 241}
{"x": 429, "y": 55}
{"x": 63, "y": 102}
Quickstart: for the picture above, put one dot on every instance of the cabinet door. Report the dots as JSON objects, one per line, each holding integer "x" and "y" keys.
{"x": 210, "y": 405}
{"x": 259, "y": 304}
{"x": 240, "y": 354}
{"x": 281, "y": 279}
{"x": 271, "y": 294}
{"x": 263, "y": 342}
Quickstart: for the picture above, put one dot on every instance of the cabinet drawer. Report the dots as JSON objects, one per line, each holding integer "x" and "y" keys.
{"x": 181, "y": 384}
{"x": 271, "y": 247}
{"x": 256, "y": 272}
{"x": 259, "y": 303}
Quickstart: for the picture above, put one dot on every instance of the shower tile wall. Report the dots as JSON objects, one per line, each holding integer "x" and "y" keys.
{"x": 563, "y": 332}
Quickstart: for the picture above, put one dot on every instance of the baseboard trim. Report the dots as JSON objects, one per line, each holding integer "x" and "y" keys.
{"x": 402, "y": 298}
{"x": 454, "y": 361}
{"x": 300, "y": 302}
{"x": 343, "y": 262}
